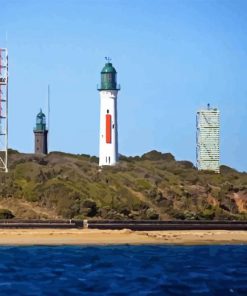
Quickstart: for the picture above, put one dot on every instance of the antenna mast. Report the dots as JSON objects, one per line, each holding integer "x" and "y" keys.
{"x": 49, "y": 119}
{"x": 4, "y": 110}
{"x": 48, "y": 105}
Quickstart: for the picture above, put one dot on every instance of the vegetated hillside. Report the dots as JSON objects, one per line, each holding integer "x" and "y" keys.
{"x": 154, "y": 186}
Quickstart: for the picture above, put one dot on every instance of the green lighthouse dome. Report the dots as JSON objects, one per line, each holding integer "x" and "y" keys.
{"x": 108, "y": 68}
{"x": 108, "y": 77}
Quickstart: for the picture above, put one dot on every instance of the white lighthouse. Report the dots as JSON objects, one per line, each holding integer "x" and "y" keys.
{"x": 108, "y": 138}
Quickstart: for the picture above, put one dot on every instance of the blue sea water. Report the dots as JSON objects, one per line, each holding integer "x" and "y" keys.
{"x": 124, "y": 270}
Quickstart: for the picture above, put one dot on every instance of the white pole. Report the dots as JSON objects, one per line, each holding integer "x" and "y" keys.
{"x": 49, "y": 119}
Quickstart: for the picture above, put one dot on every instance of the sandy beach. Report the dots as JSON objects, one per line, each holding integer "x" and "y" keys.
{"x": 115, "y": 237}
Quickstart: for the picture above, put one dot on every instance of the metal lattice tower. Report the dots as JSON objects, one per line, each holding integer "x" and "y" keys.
{"x": 3, "y": 110}
{"x": 208, "y": 139}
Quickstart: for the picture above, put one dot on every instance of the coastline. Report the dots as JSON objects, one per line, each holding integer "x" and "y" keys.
{"x": 55, "y": 237}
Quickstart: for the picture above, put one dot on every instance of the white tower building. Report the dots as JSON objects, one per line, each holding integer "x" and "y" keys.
{"x": 3, "y": 110}
{"x": 108, "y": 141}
{"x": 208, "y": 139}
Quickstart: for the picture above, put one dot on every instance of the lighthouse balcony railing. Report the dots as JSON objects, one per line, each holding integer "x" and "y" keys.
{"x": 117, "y": 87}
{"x": 40, "y": 129}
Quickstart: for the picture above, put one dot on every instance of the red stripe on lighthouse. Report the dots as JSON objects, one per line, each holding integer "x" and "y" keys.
{"x": 108, "y": 128}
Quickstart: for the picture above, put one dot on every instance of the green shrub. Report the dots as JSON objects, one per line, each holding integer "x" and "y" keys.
{"x": 143, "y": 184}
{"x": 151, "y": 214}
{"x": 94, "y": 159}
{"x": 186, "y": 164}
{"x": 85, "y": 155}
{"x": 208, "y": 214}
{"x": 6, "y": 214}
{"x": 152, "y": 155}
{"x": 88, "y": 208}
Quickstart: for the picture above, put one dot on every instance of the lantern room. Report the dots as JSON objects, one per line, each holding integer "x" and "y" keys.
{"x": 108, "y": 78}
{"x": 40, "y": 121}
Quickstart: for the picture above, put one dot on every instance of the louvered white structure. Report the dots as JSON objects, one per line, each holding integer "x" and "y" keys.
{"x": 208, "y": 139}
{"x": 4, "y": 110}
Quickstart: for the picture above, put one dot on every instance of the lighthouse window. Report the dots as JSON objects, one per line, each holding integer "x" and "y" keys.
{"x": 106, "y": 159}
{"x": 113, "y": 126}
{"x": 109, "y": 159}
{"x": 107, "y": 111}
{"x": 109, "y": 77}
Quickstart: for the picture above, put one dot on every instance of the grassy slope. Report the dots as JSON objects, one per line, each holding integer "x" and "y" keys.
{"x": 154, "y": 186}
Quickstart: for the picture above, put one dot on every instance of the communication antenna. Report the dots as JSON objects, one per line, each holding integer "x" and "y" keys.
{"x": 48, "y": 111}
{"x": 48, "y": 105}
